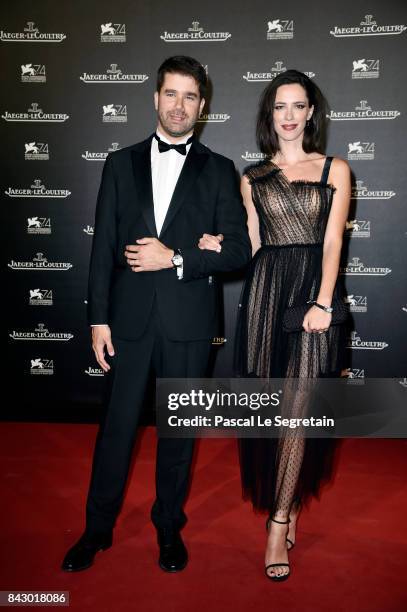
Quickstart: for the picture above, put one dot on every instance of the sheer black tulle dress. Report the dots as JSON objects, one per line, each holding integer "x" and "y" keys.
{"x": 282, "y": 473}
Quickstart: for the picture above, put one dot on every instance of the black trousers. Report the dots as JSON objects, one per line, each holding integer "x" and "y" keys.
{"x": 127, "y": 382}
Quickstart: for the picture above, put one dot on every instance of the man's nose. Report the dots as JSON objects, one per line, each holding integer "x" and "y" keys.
{"x": 179, "y": 102}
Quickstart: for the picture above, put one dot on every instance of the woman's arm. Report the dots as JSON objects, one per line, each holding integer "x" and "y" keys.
{"x": 340, "y": 177}
{"x": 213, "y": 243}
{"x": 252, "y": 216}
{"x": 316, "y": 319}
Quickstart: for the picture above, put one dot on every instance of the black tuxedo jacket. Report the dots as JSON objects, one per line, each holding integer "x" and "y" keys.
{"x": 206, "y": 199}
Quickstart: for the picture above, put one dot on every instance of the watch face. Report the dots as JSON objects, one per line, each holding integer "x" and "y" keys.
{"x": 177, "y": 259}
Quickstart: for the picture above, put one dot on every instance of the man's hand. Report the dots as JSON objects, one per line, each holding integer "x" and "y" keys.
{"x": 148, "y": 255}
{"x": 101, "y": 337}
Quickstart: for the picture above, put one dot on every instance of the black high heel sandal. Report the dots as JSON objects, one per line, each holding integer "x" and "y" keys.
{"x": 289, "y": 542}
{"x": 283, "y": 576}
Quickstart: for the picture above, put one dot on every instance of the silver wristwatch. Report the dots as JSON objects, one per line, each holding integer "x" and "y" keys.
{"x": 178, "y": 263}
{"x": 328, "y": 309}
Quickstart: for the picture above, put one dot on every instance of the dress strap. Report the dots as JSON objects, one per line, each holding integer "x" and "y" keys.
{"x": 325, "y": 171}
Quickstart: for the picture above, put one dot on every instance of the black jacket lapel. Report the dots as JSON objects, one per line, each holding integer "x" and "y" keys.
{"x": 141, "y": 159}
{"x": 192, "y": 167}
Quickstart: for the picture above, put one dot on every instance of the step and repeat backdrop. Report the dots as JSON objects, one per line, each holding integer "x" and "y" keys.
{"x": 77, "y": 82}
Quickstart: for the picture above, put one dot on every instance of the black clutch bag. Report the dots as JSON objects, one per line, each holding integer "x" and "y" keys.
{"x": 294, "y": 316}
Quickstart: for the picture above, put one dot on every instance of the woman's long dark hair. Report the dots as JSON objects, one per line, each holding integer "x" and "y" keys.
{"x": 315, "y": 129}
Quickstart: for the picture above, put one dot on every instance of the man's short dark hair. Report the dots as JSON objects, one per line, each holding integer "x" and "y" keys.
{"x": 187, "y": 66}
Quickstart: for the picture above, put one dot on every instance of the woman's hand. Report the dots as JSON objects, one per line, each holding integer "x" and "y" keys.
{"x": 316, "y": 320}
{"x": 211, "y": 243}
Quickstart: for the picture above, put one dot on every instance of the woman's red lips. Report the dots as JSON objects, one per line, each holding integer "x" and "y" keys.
{"x": 289, "y": 126}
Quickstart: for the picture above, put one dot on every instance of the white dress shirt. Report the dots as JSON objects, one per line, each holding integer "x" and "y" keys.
{"x": 165, "y": 170}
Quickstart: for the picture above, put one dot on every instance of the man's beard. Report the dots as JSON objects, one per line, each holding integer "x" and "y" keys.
{"x": 183, "y": 129}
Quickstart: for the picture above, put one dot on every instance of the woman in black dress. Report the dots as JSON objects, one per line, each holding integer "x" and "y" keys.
{"x": 297, "y": 202}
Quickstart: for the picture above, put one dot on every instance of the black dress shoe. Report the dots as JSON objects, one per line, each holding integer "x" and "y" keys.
{"x": 81, "y": 555}
{"x": 173, "y": 554}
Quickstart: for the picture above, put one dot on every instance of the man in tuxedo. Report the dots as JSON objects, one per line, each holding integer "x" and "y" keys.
{"x": 152, "y": 297}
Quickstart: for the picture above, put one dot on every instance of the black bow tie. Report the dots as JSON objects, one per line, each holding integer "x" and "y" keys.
{"x": 180, "y": 148}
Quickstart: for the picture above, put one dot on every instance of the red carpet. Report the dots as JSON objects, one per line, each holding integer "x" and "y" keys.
{"x": 351, "y": 547}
